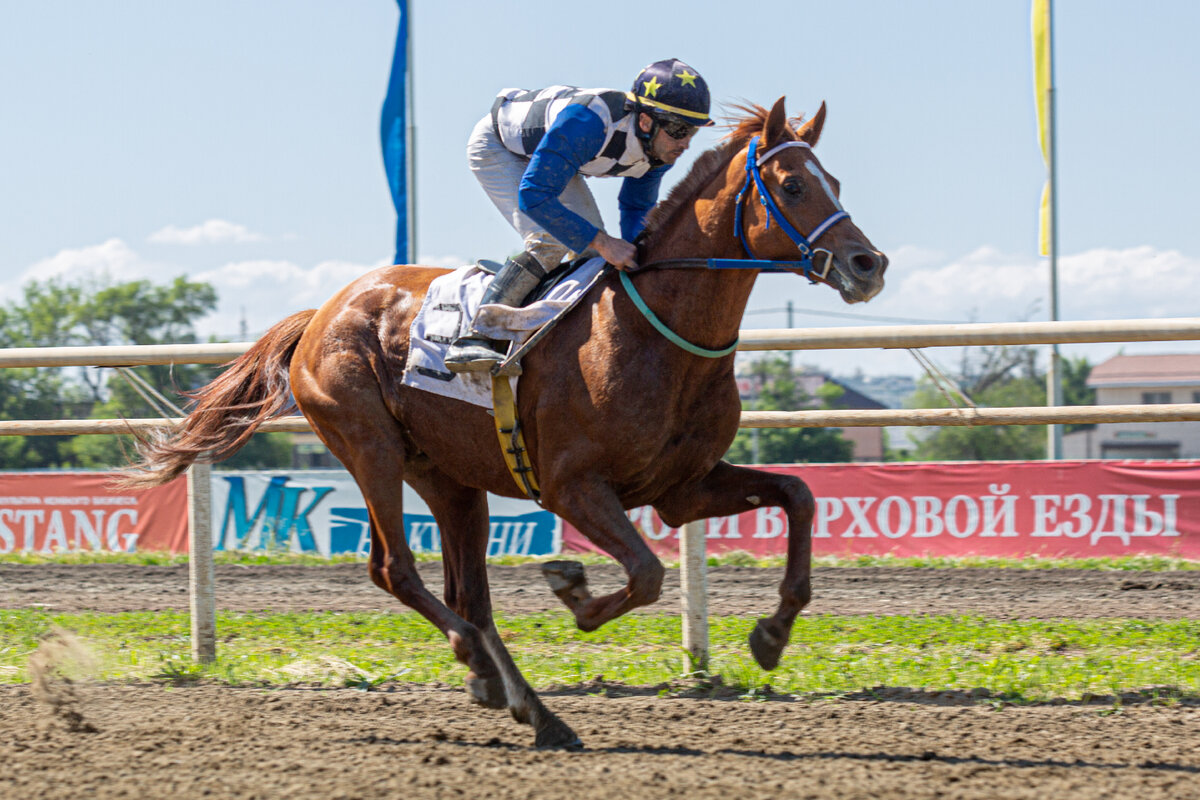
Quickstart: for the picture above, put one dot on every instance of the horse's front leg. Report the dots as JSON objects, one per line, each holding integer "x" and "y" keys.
{"x": 494, "y": 680}
{"x": 595, "y": 509}
{"x": 728, "y": 490}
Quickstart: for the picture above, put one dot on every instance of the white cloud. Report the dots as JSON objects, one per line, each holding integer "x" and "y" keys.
{"x": 213, "y": 231}
{"x": 987, "y": 285}
{"x": 112, "y": 258}
{"x": 984, "y": 285}
{"x": 1133, "y": 283}
{"x": 264, "y": 292}
{"x": 997, "y": 287}
{"x": 260, "y": 292}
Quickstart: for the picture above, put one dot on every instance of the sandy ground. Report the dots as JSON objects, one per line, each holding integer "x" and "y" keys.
{"x": 732, "y": 590}
{"x": 153, "y": 740}
{"x": 208, "y": 741}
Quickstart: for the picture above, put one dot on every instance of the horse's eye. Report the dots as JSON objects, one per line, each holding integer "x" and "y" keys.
{"x": 793, "y": 187}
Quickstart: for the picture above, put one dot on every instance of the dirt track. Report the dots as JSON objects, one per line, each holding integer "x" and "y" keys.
{"x": 427, "y": 742}
{"x": 732, "y": 590}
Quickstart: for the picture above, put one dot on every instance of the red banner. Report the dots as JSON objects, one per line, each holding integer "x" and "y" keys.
{"x": 1070, "y": 509}
{"x": 69, "y": 512}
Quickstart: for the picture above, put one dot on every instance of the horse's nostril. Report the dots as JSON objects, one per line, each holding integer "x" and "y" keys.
{"x": 867, "y": 263}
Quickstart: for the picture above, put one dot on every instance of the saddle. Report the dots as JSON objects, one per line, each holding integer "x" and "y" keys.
{"x": 453, "y": 300}
{"x": 552, "y": 278}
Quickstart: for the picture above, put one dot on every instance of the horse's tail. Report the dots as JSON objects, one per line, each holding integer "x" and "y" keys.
{"x": 225, "y": 413}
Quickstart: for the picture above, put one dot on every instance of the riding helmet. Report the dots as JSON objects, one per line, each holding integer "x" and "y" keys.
{"x": 670, "y": 89}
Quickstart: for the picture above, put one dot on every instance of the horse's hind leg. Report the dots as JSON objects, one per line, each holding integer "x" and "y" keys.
{"x": 462, "y": 517}
{"x": 369, "y": 443}
{"x": 729, "y": 490}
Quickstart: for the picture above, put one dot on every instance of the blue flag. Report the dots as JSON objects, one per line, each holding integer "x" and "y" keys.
{"x": 393, "y": 134}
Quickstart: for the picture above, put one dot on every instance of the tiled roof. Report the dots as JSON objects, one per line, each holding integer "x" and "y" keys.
{"x": 1162, "y": 370}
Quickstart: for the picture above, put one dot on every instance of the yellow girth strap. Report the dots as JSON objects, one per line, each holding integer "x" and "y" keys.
{"x": 512, "y": 442}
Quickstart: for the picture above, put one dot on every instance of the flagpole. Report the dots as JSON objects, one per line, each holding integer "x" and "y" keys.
{"x": 411, "y": 150}
{"x": 1054, "y": 394}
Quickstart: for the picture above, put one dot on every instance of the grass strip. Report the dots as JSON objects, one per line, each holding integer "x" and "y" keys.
{"x": 736, "y": 558}
{"x": 1021, "y": 661}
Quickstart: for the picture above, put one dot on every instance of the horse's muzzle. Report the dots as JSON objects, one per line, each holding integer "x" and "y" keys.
{"x": 860, "y": 274}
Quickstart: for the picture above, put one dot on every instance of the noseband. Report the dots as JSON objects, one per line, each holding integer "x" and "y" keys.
{"x": 754, "y": 163}
{"x": 804, "y": 243}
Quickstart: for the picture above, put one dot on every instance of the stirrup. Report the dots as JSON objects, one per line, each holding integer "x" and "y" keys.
{"x": 474, "y": 354}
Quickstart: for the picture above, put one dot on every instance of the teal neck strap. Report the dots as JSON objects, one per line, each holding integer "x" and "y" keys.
{"x": 673, "y": 337}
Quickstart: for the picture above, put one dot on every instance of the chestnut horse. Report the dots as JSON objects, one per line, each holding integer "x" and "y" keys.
{"x": 615, "y": 414}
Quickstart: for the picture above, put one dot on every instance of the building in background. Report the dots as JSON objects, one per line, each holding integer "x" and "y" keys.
{"x": 894, "y": 391}
{"x": 813, "y": 384}
{"x": 1141, "y": 380}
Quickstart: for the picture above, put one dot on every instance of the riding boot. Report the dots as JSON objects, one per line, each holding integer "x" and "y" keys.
{"x": 510, "y": 287}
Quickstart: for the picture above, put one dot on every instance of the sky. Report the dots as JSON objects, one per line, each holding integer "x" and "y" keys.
{"x": 238, "y": 143}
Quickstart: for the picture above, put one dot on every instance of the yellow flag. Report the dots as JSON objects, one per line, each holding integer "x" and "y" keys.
{"x": 1041, "y": 90}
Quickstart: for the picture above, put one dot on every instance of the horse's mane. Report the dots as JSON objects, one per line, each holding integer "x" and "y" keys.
{"x": 742, "y": 128}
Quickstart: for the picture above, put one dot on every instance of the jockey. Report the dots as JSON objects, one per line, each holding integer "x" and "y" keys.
{"x": 532, "y": 152}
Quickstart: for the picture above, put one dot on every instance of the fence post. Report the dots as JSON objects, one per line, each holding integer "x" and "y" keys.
{"x": 693, "y": 580}
{"x": 200, "y": 563}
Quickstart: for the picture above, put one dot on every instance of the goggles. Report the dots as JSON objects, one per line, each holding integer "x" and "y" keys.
{"x": 676, "y": 129}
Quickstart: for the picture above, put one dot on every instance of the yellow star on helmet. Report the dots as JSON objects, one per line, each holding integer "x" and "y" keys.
{"x": 687, "y": 78}
{"x": 650, "y": 88}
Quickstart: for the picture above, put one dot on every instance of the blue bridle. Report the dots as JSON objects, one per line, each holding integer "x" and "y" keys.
{"x": 805, "y": 244}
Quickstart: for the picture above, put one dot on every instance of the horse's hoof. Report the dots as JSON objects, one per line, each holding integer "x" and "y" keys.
{"x": 765, "y": 646}
{"x": 557, "y": 735}
{"x": 564, "y": 576}
{"x": 487, "y": 692}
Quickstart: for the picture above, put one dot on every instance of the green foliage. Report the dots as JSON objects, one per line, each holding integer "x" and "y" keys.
{"x": 986, "y": 442}
{"x": 263, "y": 451}
{"x": 995, "y": 378}
{"x": 1076, "y": 392}
{"x": 95, "y": 311}
{"x": 780, "y": 392}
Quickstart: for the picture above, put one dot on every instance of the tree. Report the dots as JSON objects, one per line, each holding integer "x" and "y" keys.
{"x": 1076, "y": 392}
{"x": 992, "y": 377}
{"x": 29, "y": 393}
{"x": 95, "y": 311}
{"x": 780, "y": 392}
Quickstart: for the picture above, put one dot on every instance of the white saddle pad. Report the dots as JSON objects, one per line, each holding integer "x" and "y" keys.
{"x": 446, "y": 314}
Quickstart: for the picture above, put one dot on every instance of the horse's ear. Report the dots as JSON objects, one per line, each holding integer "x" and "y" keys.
{"x": 811, "y": 131}
{"x": 776, "y": 128}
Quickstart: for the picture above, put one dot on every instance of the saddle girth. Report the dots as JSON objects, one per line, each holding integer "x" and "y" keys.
{"x": 512, "y": 441}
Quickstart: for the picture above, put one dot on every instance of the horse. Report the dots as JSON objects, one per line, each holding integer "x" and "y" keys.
{"x": 616, "y": 415}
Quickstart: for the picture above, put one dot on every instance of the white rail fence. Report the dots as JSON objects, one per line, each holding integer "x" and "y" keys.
{"x": 692, "y": 542}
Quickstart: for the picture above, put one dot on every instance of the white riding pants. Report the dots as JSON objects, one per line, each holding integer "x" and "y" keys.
{"x": 499, "y": 172}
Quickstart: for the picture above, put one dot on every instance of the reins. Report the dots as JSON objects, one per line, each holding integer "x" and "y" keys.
{"x": 662, "y": 328}
{"x": 803, "y": 243}
{"x": 508, "y": 427}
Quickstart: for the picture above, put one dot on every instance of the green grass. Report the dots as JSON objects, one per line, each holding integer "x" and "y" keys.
{"x": 1019, "y": 661}
{"x": 739, "y": 558}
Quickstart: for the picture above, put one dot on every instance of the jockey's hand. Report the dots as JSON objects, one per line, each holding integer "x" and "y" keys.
{"x": 618, "y": 252}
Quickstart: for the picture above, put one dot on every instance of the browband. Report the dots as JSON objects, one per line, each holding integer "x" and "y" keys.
{"x": 765, "y": 156}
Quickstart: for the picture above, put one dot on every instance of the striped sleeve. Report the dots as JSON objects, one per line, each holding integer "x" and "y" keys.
{"x": 575, "y": 137}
